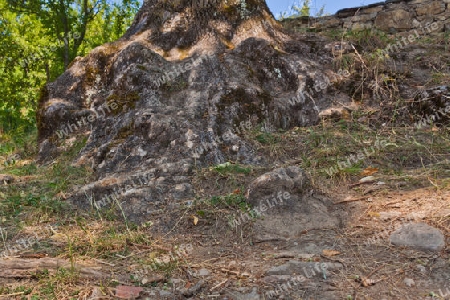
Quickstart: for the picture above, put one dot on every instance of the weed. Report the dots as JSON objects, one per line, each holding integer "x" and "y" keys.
{"x": 368, "y": 39}
{"x": 440, "y": 78}
{"x": 49, "y": 290}
{"x": 267, "y": 138}
{"x": 231, "y": 201}
{"x": 228, "y": 167}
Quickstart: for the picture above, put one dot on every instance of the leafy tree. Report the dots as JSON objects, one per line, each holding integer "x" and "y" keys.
{"x": 38, "y": 40}
{"x": 109, "y": 24}
{"x": 68, "y": 20}
{"x": 21, "y": 36}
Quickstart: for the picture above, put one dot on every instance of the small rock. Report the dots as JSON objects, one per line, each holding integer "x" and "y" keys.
{"x": 157, "y": 293}
{"x": 165, "y": 294}
{"x": 232, "y": 264}
{"x": 6, "y": 179}
{"x": 193, "y": 289}
{"x": 203, "y": 272}
{"x": 409, "y": 282}
{"x": 421, "y": 268}
{"x": 153, "y": 279}
{"x": 418, "y": 236}
{"x": 292, "y": 180}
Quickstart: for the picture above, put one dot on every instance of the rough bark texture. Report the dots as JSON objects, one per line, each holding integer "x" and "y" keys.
{"x": 243, "y": 70}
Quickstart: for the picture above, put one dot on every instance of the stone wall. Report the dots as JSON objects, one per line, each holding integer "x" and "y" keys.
{"x": 391, "y": 16}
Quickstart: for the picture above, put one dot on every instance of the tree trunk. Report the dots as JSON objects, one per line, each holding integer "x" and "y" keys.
{"x": 181, "y": 23}
{"x": 178, "y": 91}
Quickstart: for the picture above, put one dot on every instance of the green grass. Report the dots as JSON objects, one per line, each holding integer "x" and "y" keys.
{"x": 369, "y": 39}
{"x": 267, "y": 138}
{"x": 228, "y": 168}
{"x": 230, "y": 201}
{"x": 440, "y": 78}
{"x": 39, "y": 194}
{"x": 409, "y": 152}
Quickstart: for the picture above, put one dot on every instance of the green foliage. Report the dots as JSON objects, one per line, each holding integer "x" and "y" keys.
{"x": 20, "y": 80}
{"x": 231, "y": 168}
{"x": 39, "y": 39}
{"x": 110, "y": 24}
{"x": 13, "y": 205}
{"x": 233, "y": 201}
{"x": 368, "y": 39}
{"x": 39, "y": 197}
{"x": 267, "y": 138}
{"x": 302, "y": 9}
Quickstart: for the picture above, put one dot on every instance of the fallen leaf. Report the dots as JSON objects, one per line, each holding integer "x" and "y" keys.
{"x": 195, "y": 220}
{"x": 330, "y": 252}
{"x": 369, "y": 171}
{"x": 237, "y": 191}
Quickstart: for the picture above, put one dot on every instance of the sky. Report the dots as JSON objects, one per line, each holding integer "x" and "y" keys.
{"x": 331, "y": 6}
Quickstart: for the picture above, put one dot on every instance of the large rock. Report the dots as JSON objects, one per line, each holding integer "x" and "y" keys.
{"x": 286, "y": 194}
{"x": 419, "y": 236}
{"x": 291, "y": 180}
{"x": 431, "y": 8}
{"x": 173, "y": 93}
{"x": 398, "y": 19}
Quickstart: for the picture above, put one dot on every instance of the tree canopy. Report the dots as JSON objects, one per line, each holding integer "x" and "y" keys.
{"x": 39, "y": 39}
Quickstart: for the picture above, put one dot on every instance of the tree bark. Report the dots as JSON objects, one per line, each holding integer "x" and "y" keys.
{"x": 218, "y": 18}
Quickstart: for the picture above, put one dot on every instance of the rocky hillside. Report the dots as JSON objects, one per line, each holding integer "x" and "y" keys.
{"x": 175, "y": 93}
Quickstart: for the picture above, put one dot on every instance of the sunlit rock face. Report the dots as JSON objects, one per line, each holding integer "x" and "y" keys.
{"x": 178, "y": 91}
